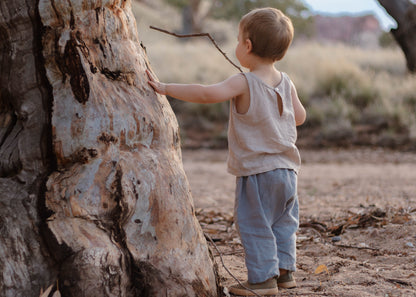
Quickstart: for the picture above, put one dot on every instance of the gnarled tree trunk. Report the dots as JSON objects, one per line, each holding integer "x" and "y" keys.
{"x": 92, "y": 189}
{"x": 404, "y": 12}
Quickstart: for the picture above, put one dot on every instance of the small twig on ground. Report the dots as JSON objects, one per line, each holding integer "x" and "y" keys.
{"x": 313, "y": 229}
{"x": 314, "y": 225}
{"x": 225, "y": 267}
{"x": 198, "y": 35}
{"x": 399, "y": 281}
{"x": 356, "y": 247}
{"x": 232, "y": 253}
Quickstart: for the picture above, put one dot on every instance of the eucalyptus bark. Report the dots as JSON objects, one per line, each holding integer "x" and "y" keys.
{"x": 25, "y": 265}
{"x": 92, "y": 188}
{"x": 404, "y": 13}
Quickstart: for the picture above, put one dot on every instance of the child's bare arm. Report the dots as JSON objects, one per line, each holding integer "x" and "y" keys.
{"x": 300, "y": 112}
{"x": 223, "y": 91}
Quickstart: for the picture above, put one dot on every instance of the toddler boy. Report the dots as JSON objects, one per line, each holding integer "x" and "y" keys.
{"x": 264, "y": 112}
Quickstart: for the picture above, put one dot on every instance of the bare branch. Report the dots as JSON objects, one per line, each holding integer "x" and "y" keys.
{"x": 198, "y": 35}
{"x": 225, "y": 267}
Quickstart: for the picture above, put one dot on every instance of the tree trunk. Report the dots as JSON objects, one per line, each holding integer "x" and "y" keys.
{"x": 404, "y": 12}
{"x": 92, "y": 189}
{"x": 25, "y": 265}
{"x": 194, "y": 15}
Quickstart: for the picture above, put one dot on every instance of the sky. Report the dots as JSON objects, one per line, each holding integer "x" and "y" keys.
{"x": 352, "y": 7}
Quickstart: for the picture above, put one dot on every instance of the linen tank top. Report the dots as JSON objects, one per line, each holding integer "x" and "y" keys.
{"x": 263, "y": 138}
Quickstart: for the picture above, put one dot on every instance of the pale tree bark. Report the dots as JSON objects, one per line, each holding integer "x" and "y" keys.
{"x": 404, "y": 12}
{"x": 92, "y": 188}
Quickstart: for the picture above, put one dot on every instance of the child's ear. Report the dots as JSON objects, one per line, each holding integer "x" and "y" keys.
{"x": 249, "y": 45}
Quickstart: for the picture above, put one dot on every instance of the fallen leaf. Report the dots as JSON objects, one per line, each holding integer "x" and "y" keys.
{"x": 321, "y": 268}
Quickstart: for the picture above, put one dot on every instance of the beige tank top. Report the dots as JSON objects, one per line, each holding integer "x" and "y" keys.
{"x": 263, "y": 138}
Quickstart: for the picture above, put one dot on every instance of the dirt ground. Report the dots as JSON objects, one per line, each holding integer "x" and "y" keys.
{"x": 357, "y": 234}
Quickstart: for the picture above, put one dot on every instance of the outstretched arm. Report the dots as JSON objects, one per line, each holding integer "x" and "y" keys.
{"x": 196, "y": 93}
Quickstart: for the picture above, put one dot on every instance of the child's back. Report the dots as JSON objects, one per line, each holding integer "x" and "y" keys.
{"x": 264, "y": 137}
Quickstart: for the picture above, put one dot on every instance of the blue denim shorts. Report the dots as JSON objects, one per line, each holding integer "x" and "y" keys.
{"x": 267, "y": 218}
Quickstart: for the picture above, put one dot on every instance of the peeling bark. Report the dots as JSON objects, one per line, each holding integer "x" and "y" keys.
{"x": 91, "y": 164}
{"x": 25, "y": 265}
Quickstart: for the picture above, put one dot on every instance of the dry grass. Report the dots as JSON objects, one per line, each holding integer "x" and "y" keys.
{"x": 345, "y": 88}
{"x": 193, "y": 60}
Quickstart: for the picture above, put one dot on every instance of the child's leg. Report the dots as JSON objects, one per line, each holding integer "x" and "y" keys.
{"x": 255, "y": 231}
{"x": 285, "y": 227}
{"x": 260, "y": 201}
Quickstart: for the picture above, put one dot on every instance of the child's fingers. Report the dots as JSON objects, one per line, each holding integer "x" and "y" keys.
{"x": 152, "y": 84}
{"x": 151, "y": 81}
{"x": 150, "y": 76}
{"x": 156, "y": 85}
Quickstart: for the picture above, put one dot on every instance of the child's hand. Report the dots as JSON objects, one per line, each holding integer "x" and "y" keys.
{"x": 157, "y": 86}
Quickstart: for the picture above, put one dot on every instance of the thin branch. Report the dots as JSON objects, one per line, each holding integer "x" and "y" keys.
{"x": 225, "y": 267}
{"x": 198, "y": 35}
{"x": 232, "y": 253}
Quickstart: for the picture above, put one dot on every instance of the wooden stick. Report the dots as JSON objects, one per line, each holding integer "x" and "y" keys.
{"x": 198, "y": 35}
{"x": 225, "y": 267}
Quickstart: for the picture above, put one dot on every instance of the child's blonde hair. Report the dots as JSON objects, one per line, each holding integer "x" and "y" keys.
{"x": 270, "y": 32}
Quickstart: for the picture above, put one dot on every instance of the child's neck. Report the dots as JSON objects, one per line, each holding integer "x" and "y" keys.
{"x": 263, "y": 69}
{"x": 261, "y": 66}
{"x": 266, "y": 70}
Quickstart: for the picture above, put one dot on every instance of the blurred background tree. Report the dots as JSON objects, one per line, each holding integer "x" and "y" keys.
{"x": 404, "y": 13}
{"x": 194, "y": 12}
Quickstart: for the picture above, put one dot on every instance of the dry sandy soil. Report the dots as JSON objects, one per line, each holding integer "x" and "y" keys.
{"x": 357, "y": 217}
